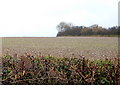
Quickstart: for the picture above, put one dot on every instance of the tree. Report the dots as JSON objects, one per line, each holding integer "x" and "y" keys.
{"x": 67, "y": 29}
{"x": 64, "y": 26}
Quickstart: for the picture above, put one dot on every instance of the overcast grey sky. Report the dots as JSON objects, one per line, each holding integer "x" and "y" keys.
{"x": 40, "y": 17}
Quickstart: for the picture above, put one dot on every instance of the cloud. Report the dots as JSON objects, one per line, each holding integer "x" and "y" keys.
{"x": 40, "y": 17}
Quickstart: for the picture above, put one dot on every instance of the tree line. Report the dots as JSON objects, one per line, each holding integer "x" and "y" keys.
{"x": 68, "y": 29}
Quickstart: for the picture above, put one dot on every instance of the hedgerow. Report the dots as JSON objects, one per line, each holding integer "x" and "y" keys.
{"x": 40, "y": 70}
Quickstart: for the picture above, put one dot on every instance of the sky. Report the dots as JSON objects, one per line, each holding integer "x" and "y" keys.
{"x": 39, "y": 18}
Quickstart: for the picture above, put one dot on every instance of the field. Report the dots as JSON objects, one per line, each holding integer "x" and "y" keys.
{"x": 60, "y": 61}
{"x": 90, "y": 47}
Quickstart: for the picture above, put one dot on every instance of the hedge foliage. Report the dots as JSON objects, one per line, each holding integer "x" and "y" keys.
{"x": 30, "y": 70}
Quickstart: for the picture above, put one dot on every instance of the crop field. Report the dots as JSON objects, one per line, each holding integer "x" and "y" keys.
{"x": 90, "y": 47}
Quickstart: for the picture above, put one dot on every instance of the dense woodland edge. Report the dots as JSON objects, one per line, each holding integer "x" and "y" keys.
{"x": 68, "y": 29}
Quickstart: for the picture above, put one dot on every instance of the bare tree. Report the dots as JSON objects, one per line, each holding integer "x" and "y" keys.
{"x": 64, "y": 26}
